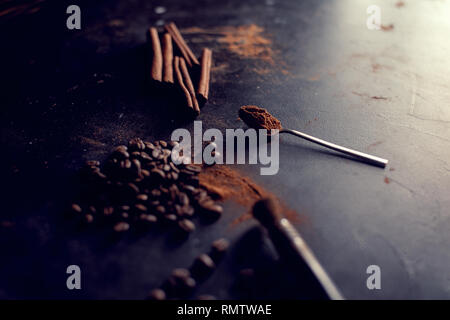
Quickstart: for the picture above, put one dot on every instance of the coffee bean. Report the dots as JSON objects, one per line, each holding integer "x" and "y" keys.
{"x": 142, "y": 197}
{"x": 157, "y": 294}
{"x": 145, "y": 173}
{"x": 160, "y": 209}
{"x": 174, "y": 167}
{"x": 121, "y": 153}
{"x": 155, "y": 203}
{"x": 125, "y": 164}
{"x": 202, "y": 266}
{"x": 189, "y": 189}
{"x": 89, "y": 218}
{"x": 136, "y": 144}
{"x": 210, "y": 210}
{"x": 108, "y": 211}
{"x": 188, "y": 211}
{"x": 148, "y": 219}
{"x": 180, "y": 273}
{"x": 185, "y": 227}
{"x": 135, "y": 154}
{"x": 140, "y": 208}
{"x": 179, "y": 210}
{"x": 124, "y": 208}
{"x": 166, "y": 154}
{"x": 180, "y": 283}
{"x": 173, "y": 192}
{"x": 121, "y": 148}
{"x": 156, "y": 153}
{"x": 131, "y": 187}
{"x": 156, "y": 193}
{"x": 183, "y": 199}
{"x": 76, "y": 208}
{"x": 149, "y": 145}
{"x": 218, "y": 249}
{"x": 136, "y": 165}
{"x": 121, "y": 227}
{"x": 170, "y": 219}
{"x": 145, "y": 157}
{"x": 158, "y": 174}
{"x": 162, "y": 143}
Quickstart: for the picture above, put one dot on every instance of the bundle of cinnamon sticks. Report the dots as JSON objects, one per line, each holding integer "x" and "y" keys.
{"x": 175, "y": 65}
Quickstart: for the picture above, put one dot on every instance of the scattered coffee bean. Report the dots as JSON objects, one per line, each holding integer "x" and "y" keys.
{"x": 148, "y": 220}
{"x": 180, "y": 283}
{"x": 89, "y": 218}
{"x": 157, "y": 294}
{"x": 211, "y": 210}
{"x": 142, "y": 176}
{"x": 76, "y": 208}
{"x": 121, "y": 227}
{"x": 107, "y": 211}
{"x": 170, "y": 219}
{"x": 202, "y": 266}
{"x": 185, "y": 227}
{"x": 142, "y": 197}
{"x": 140, "y": 207}
{"x": 218, "y": 249}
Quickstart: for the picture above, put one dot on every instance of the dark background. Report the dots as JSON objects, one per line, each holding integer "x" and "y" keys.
{"x": 69, "y": 96}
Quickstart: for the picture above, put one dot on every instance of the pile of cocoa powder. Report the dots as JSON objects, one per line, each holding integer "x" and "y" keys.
{"x": 225, "y": 183}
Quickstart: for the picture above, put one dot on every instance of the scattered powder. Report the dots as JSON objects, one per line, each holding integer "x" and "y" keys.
{"x": 247, "y": 41}
{"x": 226, "y": 183}
{"x": 258, "y": 118}
{"x": 387, "y": 28}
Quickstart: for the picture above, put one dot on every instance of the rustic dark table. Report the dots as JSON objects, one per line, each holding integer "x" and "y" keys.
{"x": 71, "y": 95}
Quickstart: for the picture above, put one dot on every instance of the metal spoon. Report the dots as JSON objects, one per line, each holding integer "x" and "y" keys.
{"x": 380, "y": 162}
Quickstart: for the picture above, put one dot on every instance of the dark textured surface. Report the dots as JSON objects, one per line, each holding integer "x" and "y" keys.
{"x": 382, "y": 92}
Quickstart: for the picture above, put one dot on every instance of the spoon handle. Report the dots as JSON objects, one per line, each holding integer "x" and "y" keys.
{"x": 380, "y": 162}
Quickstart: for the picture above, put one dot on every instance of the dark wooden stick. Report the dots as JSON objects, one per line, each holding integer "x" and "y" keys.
{"x": 157, "y": 64}
{"x": 167, "y": 58}
{"x": 187, "y": 53}
{"x": 205, "y": 72}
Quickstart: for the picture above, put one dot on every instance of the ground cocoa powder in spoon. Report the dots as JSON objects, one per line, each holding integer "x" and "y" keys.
{"x": 258, "y": 118}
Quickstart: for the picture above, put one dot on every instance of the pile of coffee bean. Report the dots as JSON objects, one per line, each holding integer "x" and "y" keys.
{"x": 182, "y": 282}
{"x": 139, "y": 187}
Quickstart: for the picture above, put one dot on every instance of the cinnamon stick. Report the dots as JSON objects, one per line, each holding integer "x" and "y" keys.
{"x": 183, "y": 80}
{"x": 157, "y": 65}
{"x": 205, "y": 72}
{"x": 189, "y": 85}
{"x": 167, "y": 58}
{"x": 187, "y": 53}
